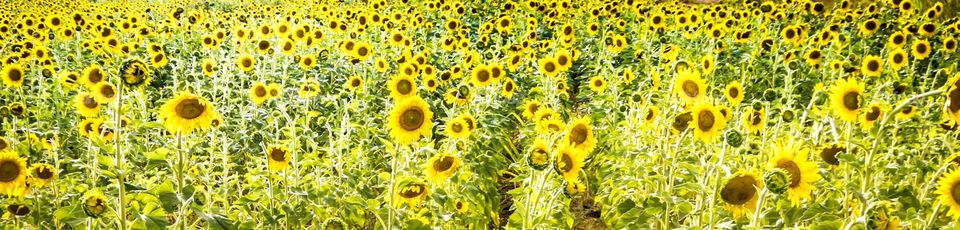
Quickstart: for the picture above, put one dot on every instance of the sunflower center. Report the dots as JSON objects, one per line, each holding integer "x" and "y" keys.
{"x": 456, "y": 127}
{"x": 755, "y": 118}
{"x": 851, "y": 101}
{"x": 550, "y": 67}
{"x": 483, "y": 75}
{"x": 95, "y": 76}
{"x": 412, "y": 191}
{"x": 829, "y": 155}
{"x": 44, "y": 173}
{"x": 411, "y": 119}
{"x": 954, "y": 98}
{"x": 16, "y": 75}
{"x": 443, "y": 164}
{"x": 566, "y": 163}
{"x": 246, "y": 63}
{"x": 355, "y": 82}
{"x": 739, "y": 190}
{"x": 897, "y": 58}
{"x": 873, "y": 114}
{"x": 955, "y": 192}
{"x": 404, "y": 86}
{"x": 873, "y": 65}
{"x": 259, "y": 91}
{"x": 922, "y": 48}
{"x": 650, "y": 115}
{"x": 9, "y": 171}
{"x": 278, "y": 155}
{"x": 794, "y": 170}
{"x": 578, "y": 134}
{"x": 562, "y": 60}
{"x": 705, "y": 120}
{"x": 734, "y": 92}
{"x": 598, "y": 83}
{"x": 107, "y": 91}
{"x": 89, "y": 102}
{"x": 690, "y": 88}
{"x": 362, "y": 51}
{"x": 190, "y": 108}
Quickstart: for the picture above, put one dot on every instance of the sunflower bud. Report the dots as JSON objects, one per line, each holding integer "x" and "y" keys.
{"x": 777, "y": 180}
{"x": 734, "y": 138}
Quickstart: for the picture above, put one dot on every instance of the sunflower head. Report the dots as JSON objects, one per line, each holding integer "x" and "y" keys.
{"x": 135, "y": 73}
{"x": 402, "y": 86}
{"x": 278, "y": 157}
{"x": 186, "y": 113}
{"x": 689, "y": 86}
{"x": 846, "y": 99}
{"x": 441, "y": 167}
{"x": 740, "y": 193}
{"x": 792, "y": 158}
{"x": 569, "y": 162}
{"x": 539, "y": 155}
{"x": 457, "y": 128}
{"x": 13, "y": 172}
{"x": 43, "y": 174}
{"x": 411, "y": 193}
{"x": 580, "y": 135}
{"x": 707, "y": 122}
{"x": 13, "y": 75}
{"x": 734, "y": 93}
{"x": 410, "y": 119}
{"x": 95, "y": 204}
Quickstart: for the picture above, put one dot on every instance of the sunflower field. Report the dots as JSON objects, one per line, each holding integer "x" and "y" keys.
{"x": 479, "y": 114}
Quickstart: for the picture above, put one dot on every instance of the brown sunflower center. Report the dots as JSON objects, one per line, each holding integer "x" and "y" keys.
{"x": 95, "y": 76}
{"x": 829, "y": 154}
{"x": 734, "y": 92}
{"x": 873, "y": 114}
{"x": 44, "y": 173}
{"x": 898, "y": 58}
{"x": 739, "y": 190}
{"x": 259, "y": 91}
{"x": 705, "y": 120}
{"x": 483, "y": 75}
{"x": 579, "y": 134}
{"x": 954, "y": 98}
{"x": 682, "y": 122}
{"x": 355, "y": 82}
{"x": 443, "y": 164}
{"x": 362, "y": 51}
{"x": 411, "y": 119}
{"x": 562, "y": 60}
{"x": 107, "y": 91}
{"x": 16, "y": 75}
{"x": 921, "y": 48}
{"x": 246, "y": 62}
{"x": 456, "y": 128}
{"x": 794, "y": 170}
{"x": 550, "y": 67}
{"x": 404, "y": 86}
{"x": 955, "y": 192}
{"x": 690, "y": 88}
{"x": 89, "y": 102}
{"x": 566, "y": 162}
{"x": 755, "y": 118}
{"x": 190, "y": 108}
{"x": 412, "y": 191}
{"x": 9, "y": 171}
{"x": 598, "y": 83}
{"x": 873, "y": 65}
{"x": 851, "y": 100}
{"x": 278, "y": 154}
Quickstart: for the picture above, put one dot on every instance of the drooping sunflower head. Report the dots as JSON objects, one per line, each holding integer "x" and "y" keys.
{"x": 829, "y": 153}
{"x": 135, "y": 73}
{"x": 550, "y": 125}
{"x": 580, "y": 135}
{"x": 539, "y": 155}
{"x": 186, "y": 113}
{"x": 278, "y": 157}
{"x": 411, "y": 193}
{"x": 755, "y": 119}
{"x": 410, "y": 119}
{"x": 846, "y": 99}
{"x": 402, "y": 86}
{"x": 740, "y": 193}
{"x": 792, "y": 158}
{"x": 441, "y": 167}
{"x": 13, "y": 172}
{"x": 95, "y": 204}
{"x": 871, "y": 115}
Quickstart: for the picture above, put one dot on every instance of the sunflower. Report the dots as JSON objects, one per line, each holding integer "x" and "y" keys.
{"x": 550, "y": 125}
{"x": 872, "y": 66}
{"x": 94, "y": 203}
{"x": 689, "y": 86}
{"x": 246, "y": 62}
{"x": 580, "y": 135}
{"x": 598, "y": 84}
{"x": 482, "y": 76}
{"x": 754, "y": 120}
{"x": 4, "y": 144}
{"x": 948, "y": 190}
{"x": 549, "y": 67}
{"x": 309, "y": 88}
{"x": 829, "y": 154}
{"x": 469, "y": 120}
{"x": 402, "y": 86}
{"x": 441, "y": 167}
{"x": 539, "y": 155}
{"x": 708, "y": 121}
{"x": 952, "y": 105}
{"x": 897, "y": 40}
{"x": 456, "y": 128}
{"x": 792, "y": 158}
{"x": 740, "y": 193}
{"x": 13, "y": 76}
{"x": 868, "y": 27}
{"x": 86, "y": 105}
{"x": 93, "y": 75}
{"x": 135, "y": 73}
{"x": 354, "y": 82}
{"x": 13, "y": 172}
{"x": 569, "y": 162}
{"x": 159, "y": 60}
{"x": 258, "y": 93}
{"x": 278, "y": 158}
{"x": 530, "y": 108}
{"x": 846, "y": 99}
{"x": 873, "y": 113}
{"x": 462, "y": 207}
{"x": 921, "y": 49}
{"x": 411, "y": 193}
{"x": 69, "y": 80}
{"x": 734, "y": 93}
{"x": 43, "y": 174}
{"x": 509, "y": 88}
{"x": 185, "y": 113}
{"x": 410, "y": 119}
{"x": 16, "y": 210}
{"x": 907, "y": 112}
{"x": 274, "y": 90}
{"x": 651, "y": 115}
{"x": 897, "y": 58}
{"x": 105, "y": 93}
{"x": 209, "y": 66}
